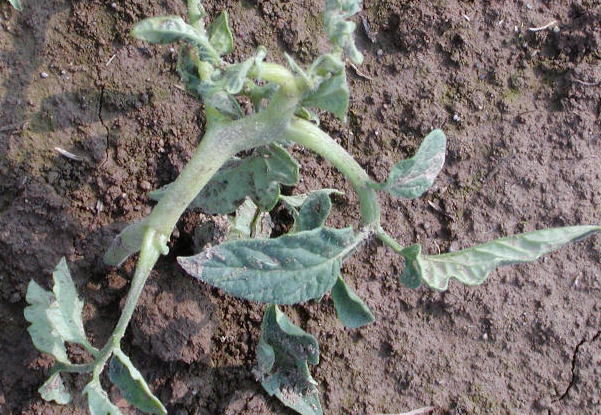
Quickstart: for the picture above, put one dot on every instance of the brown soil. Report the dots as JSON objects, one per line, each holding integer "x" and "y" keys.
{"x": 522, "y": 111}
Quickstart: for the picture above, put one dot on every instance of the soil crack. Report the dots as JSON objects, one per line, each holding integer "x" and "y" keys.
{"x": 108, "y": 131}
{"x": 574, "y": 356}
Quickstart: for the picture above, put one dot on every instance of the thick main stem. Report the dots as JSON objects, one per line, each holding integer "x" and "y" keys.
{"x": 310, "y": 136}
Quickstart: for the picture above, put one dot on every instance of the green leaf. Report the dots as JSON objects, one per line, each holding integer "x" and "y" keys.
{"x": 471, "y": 266}
{"x": 220, "y": 34}
{"x": 411, "y": 276}
{"x": 128, "y": 242}
{"x": 132, "y": 385}
{"x": 332, "y": 95}
{"x": 256, "y": 176}
{"x": 43, "y": 334}
{"x": 168, "y": 29}
{"x": 259, "y": 93}
{"x": 16, "y": 4}
{"x": 196, "y": 14}
{"x": 339, "y": 30}
{"x": 286, "y": 270}
{"x": 308, "y": 115}
{"x": 350, "y": 309}
{"x": 315, "y": 210}
{"x": 54, "y": 390}
{"x": 65, "y": 311}
{"x": 282, "y": 355}
{"x": 412, "y": 177}
{"x": 98, "y": 401}
{"x": 293, "y": 203}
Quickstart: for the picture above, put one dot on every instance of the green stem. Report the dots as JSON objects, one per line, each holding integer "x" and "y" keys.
{"x": 309, "y": 135}
{"x": 388, "y": 240}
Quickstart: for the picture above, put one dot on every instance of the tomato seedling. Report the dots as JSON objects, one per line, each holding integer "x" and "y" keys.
{"x": 303, "y": 264}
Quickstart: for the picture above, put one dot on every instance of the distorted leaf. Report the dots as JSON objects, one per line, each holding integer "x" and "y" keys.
{"x": 286, "y": 270}
{"x": 54, "y": 390}
{"x": 332, "y": 95}
{"x": 257, "y": 176}
{"x": 44, "y": 336}
{"x": 350, "y": 309}
{"x": 16, "y": 4}
{"x": 196, "y": 14}
{"x": 471, "y": 266}
{"x": 220, "y": 34}
{"x": 98, "y": 400}
{"x": 283, "y": 353}
{"x": 315, "y": 210}
{"x": 249, "y": 222}
{"x": 132, "y": 385}
{"x": 168, "y": 29}
{"x": 65, "y": 311}
{"x": 339, "y": 30}
{"x": 410, "y": 178}
{"x": 128, "y": 242}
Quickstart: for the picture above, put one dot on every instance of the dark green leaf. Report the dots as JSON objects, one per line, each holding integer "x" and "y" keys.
{"x": 411, "y": 276}
{"x": 16, "y": 4}
{"x": 282, "y": 356}
{"x": 168, "y": 29}
{"x": 412, "y": 177}
{"x": 98, "y": 401}
{"x": 127, "y": 243}
{"x": 54, "y": 390}
{"x": 315, "y": 210}
{"x": 220, "y": 34}
{"x": 332, "y": 95}
{"x": 471, "y": 266}
{"x": 44, "y": 336}
{"x": 132, "y": 385}
{"x": 350, "y": 309}
{"x": 286, "y": 270}
{"x": 256, "y": 176}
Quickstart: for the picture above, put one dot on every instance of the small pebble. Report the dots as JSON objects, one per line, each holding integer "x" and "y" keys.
{"x": 485, "y": 336}
{"x": 456, "y": 118}
{"x": 44, "y": 75}
{"x": 145, "y": 185}
{"x": 380, "y": 52}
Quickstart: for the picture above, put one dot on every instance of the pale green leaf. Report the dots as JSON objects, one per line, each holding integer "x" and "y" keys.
{"x": 412, "y": 177}
{"x": 250, "y": 222}
{"x": 332, "y": 95}
{"x": 65, "y": 311}
{"x": 196, "y": 14}
{"x": 471, "y": 266}
{"x": 128, "y": 242}
{"x": 286, "y": 270}
{"x": 339, "y": 30}
{"x": 308, "y": 115}
{"x": 350, "y": 309}
{"x": 257, "y": 176}
{"x": 16, "y": 4}
{"x": 132, "y": 385}
{"x": 168, "y": 29}
{"x": 98, "y": 401}
{"x": 220, "y": 34}
{"x": 54, "y": 390}
{"x": 44, "y": 336}
{"x": 283, "y": 353}
{"x": 260, "y": 93}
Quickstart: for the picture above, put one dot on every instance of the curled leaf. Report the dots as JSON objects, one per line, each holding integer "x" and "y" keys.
{"x": 128, "y": 242}
{"x": 286, "y": 270}
{"x": 54, "y": 390}
{"x": 332, "y": 95}
{"x": 132, "y": 385}
{"x": 339, "y": 30}
{"x": 412, "y": 177}
{"x": 471, "y": 266}
{"x": 350, "y": 309}
{"x": 98, "y": 400}
{"x": 315, "y": 210}
{"x": 220, "y": 34}
{"x": 282, "y": 355}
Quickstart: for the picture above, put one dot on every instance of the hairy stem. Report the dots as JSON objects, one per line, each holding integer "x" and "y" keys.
{"x": 309, "y": 135}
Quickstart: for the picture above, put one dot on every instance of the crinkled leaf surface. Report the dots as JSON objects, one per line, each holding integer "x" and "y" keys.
{"x": 16, "y": 4}
{"x": 339, "y": 30}
{"x": 286, "y": 270}
{"x": 350, "y": 309}
{"x": 282, "y": 355}
{"x": 196, "y": 14}
{"x": 43, "y": 334}
{"x": 168, "y": 29}
{"x": 54, "y": 390}
{"x": 220, "y": 34}
{"x": 332, "y": 95}
{"x": 315, "y": 210}
{"x": 65, "y": 311}
{"x": 412, "y": 177}
{"x": 257, "y": 176}
{"x": 471, "y": 266}
{"x": 128, "y": 242}
{"x": 98, "y": 400}
{"x": 132, "y": 385}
